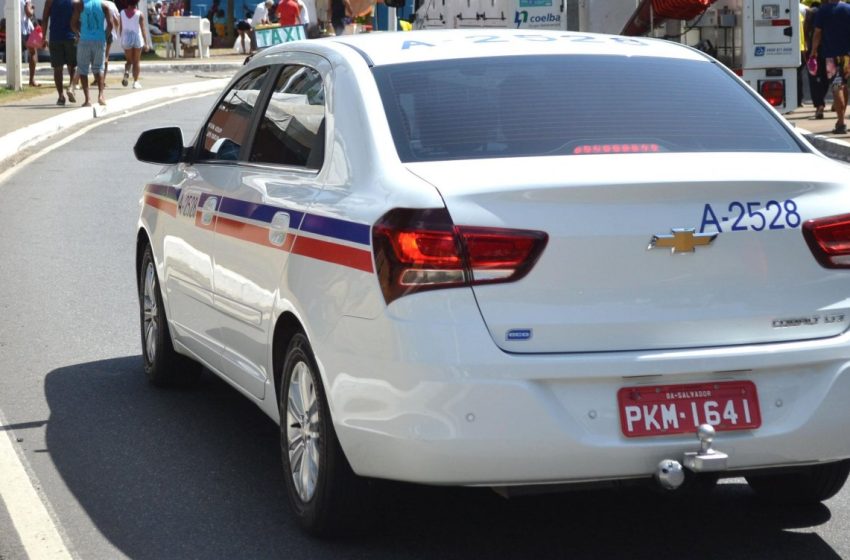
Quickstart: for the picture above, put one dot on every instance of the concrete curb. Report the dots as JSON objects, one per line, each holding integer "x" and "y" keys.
{"x": 229, "y": 67}
{"x": 835, "y": 149}
{"x": 28, "y": 136}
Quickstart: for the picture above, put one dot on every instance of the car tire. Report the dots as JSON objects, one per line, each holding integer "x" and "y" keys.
{"x": 326, "y": 496}
{"x": 808, "y": 485}
{"x": 163, "y": 365}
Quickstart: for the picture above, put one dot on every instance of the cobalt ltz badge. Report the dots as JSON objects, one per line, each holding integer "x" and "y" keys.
{"x": 518, "y": 334}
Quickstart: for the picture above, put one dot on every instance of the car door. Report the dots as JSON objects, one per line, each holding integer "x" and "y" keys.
{"x": 189, "y": 252}
{"x": 260, "y": 213}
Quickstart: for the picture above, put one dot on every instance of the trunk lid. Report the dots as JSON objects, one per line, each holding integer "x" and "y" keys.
{"x": 597, "y": 286}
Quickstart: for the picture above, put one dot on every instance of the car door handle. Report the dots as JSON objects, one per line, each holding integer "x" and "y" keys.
{"x": 278, "y": 229}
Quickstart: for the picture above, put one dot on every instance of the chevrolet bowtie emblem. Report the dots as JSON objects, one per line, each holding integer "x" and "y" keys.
{"x": 682, "y": 240}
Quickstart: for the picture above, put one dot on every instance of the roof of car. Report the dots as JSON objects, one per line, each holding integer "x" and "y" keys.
{"x": 416, "y": 46}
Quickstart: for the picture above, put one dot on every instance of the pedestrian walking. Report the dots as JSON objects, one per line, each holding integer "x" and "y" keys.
{"x": 27, "y": 28}
{"x": 61, "y": 41}
{"x": 88, "y": 22}
{"x": 110, "y": 37}
{"x": 339, "y": 10}
{"x": 832, "y": 41}
{"x": 818, "y": 82}
{"x": 310, "y": 18}
{"x": 132, "y": 41}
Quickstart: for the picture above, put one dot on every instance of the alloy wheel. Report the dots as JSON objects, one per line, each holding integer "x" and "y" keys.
{"x": 150, "y": 317}
{"x": 302, "y": 431}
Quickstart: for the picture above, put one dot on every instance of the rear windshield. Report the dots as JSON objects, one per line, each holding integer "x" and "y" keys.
{"x": 552, "y": 105}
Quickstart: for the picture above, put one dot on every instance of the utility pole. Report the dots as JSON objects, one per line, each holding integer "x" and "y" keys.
{"x": 231, "y": 20}
{"x": 392, "y": 19}
{"x": 14, "y": 48}
{"x": 572, "y": 16}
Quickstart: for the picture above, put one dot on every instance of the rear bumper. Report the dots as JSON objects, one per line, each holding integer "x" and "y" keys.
{"x": 435, "y": 402}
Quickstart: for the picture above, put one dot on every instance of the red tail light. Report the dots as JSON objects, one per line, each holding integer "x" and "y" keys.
{"x": 773, "y": 91}
{"x": 419, "y": 250}
{"x": 829, "y": 240}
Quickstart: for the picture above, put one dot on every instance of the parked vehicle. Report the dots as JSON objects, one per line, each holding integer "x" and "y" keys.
{"x": 460, "y": 258}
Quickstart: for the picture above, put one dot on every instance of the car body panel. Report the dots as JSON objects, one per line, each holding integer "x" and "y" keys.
{"x": 187, "y": 266}
{"x": 436, "y": 402}
{"x": 597, "y": 287}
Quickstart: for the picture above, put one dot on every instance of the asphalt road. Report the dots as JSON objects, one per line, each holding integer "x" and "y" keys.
{"x": 134, "y": 471}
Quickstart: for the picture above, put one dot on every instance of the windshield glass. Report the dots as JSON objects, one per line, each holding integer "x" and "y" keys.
{"x": 572, "y": 104}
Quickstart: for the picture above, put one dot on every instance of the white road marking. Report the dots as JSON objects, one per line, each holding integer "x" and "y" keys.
{"x": 36, "y": 530}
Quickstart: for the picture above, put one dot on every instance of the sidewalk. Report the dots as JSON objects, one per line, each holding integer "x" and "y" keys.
{"x": 819, "y": 132}
{"x": 26, "y": 122}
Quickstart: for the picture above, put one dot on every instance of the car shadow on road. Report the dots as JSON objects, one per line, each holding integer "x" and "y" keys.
{"x": 196, "y": 474}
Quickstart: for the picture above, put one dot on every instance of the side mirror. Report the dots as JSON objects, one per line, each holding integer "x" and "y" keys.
{"x": 160, "y": 145}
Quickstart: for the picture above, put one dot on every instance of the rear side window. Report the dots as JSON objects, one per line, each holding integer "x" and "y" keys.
{"x": 292, "y": 129}
{"x": 563, "y": 104}
{"x": 227, "y": 129}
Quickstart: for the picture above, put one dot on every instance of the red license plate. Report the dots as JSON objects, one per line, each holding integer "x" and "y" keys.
{"x": 659, "y": 410}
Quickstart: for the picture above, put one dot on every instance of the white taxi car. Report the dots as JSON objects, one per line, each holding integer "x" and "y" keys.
{"x": 508, "y": 259}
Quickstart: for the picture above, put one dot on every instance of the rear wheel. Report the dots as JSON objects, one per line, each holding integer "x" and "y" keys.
{"x": 163, "y": 366}
{"x": 325, "y": 494}
{"x": 808, "y": 485}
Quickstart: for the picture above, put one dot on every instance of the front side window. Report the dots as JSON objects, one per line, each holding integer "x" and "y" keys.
{"x": 564, "y": 104}
{"x": 292, "y": 129}
{"x": 227, "y": 129}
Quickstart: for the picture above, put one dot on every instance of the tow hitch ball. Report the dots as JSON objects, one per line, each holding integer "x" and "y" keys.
{"x": 670, "y": 473}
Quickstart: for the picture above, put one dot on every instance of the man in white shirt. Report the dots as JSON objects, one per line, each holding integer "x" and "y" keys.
{"x": 260, "y": 17}
{"x": 261, "y": 13}
{"x": 309, "y": 18}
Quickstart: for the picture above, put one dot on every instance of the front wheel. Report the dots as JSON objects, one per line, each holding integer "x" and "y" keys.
{"x": 163, "y": 366}
{"x": 808, "y": 485}
{"x": 325, "y": 494}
